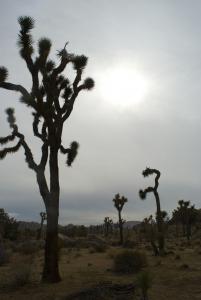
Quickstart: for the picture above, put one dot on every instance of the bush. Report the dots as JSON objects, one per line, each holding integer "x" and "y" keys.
{"x": 20, "y": 275}
{"x": 129, "y": 261}
{"x": 129, "y": 244}
{"x": 28, "y": 247}
{"x": 144, "y": 280}
{"x": 4, "y": 256}
{"x": 98, "y": 247}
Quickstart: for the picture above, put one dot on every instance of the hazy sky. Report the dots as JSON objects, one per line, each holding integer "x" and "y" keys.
{"x": 145, "y": 57}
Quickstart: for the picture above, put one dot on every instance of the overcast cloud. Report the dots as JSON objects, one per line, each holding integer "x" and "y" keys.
{"x": 162, "y": 41}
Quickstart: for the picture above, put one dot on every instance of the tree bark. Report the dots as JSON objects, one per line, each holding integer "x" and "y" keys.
{"x": 161, "y": 240}
{"x": 120, "y": 229}
{"x": 51, "y": 268}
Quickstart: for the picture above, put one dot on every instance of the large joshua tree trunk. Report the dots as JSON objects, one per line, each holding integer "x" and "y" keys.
{"x": 51, "y": 269}
{"x": 120, "y": 229}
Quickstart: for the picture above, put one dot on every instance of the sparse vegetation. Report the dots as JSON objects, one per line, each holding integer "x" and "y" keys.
{"x": 129, "y": 261}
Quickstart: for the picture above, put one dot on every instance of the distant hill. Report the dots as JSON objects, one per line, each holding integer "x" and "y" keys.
{"x": 131, "y": 224}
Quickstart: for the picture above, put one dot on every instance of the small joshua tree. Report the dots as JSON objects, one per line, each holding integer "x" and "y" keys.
{"x": 51, "y": 98}
{"x": 43, "y": 216}
{"x": 150, "y": 232}
{"x": 159, "y": 219}
{"x": 108, "y": 223}
{"x": 119, "y": 204}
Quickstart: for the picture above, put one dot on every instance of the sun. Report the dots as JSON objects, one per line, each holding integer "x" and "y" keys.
{"x": 124, "y": 86}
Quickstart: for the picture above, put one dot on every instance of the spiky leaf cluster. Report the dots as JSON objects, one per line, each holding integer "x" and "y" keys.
{"x": 3, "y": 74}
{"x": 119, "y": 201}
{"x": 49, "y": 66}
{"x": 26, "y": 23}
{"x": 89, "y": 83}
{"x": 25, "y": 41}
{"x": 147, "y": 172}
{"x": 72, "y": 153}
{"x": 80, "y": 62}
{"x": 44, "y": 46}
{"x": 67, "y": 93}
{"x": 11, "y": 118}
{"x": 142, "y": 194}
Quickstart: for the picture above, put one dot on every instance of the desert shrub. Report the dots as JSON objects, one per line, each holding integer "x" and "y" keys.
{"x": 98, "y": 247}
{"x": 8, "y": 226}
{"x": 177, "y": 257}
{"x": 4, "y": 256}
{"x": 184, "y": 266}
{"x": 129, "y": 244}
{"x": 144, "y": 281}
{"x": 129, "y": 261}
{"x": 27, "y": 248}
{"x": 112, "y": 253}
{"x": 114, "y": 243}
{"x": 20, "y": 275}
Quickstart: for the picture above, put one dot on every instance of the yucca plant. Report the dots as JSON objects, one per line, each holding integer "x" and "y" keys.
{"x": 51, "y": 98}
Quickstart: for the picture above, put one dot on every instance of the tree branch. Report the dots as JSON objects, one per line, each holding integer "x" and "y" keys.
{"x": 14, "y": 149}
{"x": 16, "y": 88}
{"x": 43, "y": 187}
{"x": 28, "y": 154}
{"x": 44, "y": 156}
{"x": 5, "y": 140}
{"x": 64, "y": 150}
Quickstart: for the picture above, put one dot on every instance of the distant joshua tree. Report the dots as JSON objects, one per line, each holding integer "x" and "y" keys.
{"x": 187, "y": 215}
{"x": 43, "y": 216}
{"x": 159, "y": 218}
{"x": 52, "y": 98}
{"x": 119, "y": 204}
{"x": 148, "y": 225}
{"x": 108, "y": 223}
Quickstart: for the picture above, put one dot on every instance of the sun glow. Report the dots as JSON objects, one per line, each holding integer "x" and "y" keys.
{"x": 124, "y": 86}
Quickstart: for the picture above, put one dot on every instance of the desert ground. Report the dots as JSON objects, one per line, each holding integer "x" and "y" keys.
{"x": 176, "y": 275}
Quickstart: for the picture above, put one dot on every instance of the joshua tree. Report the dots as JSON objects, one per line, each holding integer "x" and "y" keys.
{"x": 150, "y": 232}
{"x": 187, "y": 215}
{"x": 108, "y": 223}
{"x": 52, "y": 99}
{"x": 43, "y": 216}
{"x": 119, "y": 203}
{"x": 159, "y": 219}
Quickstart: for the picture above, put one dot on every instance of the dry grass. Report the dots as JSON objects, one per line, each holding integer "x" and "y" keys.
{"x": 80, "y": 269}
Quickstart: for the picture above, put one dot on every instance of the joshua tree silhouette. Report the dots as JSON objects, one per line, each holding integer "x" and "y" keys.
{"x": 187, "y": 215}
{"x": 119, "y": 204}
{"x": 52, "y": 99}
{"x": 159, "y": 219}
{"x": 108, "y": 223}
